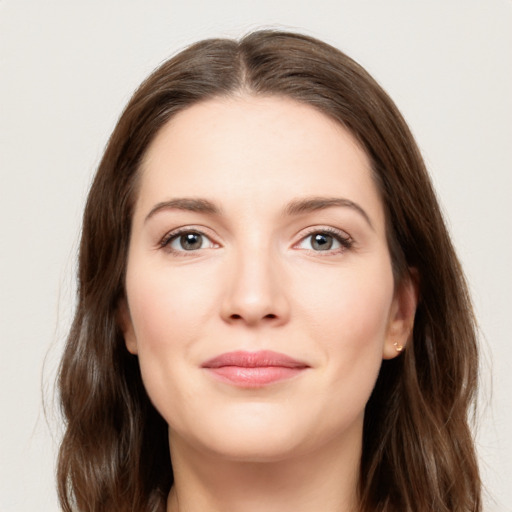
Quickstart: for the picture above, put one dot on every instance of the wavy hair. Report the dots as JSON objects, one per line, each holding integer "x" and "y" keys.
{"x": 418, "y": 452}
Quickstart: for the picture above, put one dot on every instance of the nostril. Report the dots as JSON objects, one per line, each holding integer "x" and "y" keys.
{"x": 236, "y": 316}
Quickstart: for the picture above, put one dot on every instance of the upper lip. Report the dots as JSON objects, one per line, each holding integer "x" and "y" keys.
{"x": 262, "y": 358}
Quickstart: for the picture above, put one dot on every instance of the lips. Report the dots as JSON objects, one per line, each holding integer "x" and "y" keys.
{"x": 253, "y": 369}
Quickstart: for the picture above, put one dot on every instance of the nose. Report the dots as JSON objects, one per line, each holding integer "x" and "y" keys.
{"x": 256, "y": 292}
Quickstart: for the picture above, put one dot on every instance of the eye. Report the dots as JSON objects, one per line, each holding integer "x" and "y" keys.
{"x": 326, "y": 241}
{"x": 186, "y": 241}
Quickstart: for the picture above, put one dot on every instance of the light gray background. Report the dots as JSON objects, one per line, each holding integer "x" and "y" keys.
{"x": 66, "y": 70}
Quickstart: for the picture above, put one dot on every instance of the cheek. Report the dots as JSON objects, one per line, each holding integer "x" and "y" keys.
{"x": 351, "y": 295}
{"x": 163, "y": 313}
{"x": 171, "y": 311}
{"x": 166, "y": 307}
{"x": 348, "y": 323}
{"x": 349, "y": 316}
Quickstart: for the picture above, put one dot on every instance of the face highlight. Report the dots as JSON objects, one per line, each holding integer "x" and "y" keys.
{"x": 258, "y": 239}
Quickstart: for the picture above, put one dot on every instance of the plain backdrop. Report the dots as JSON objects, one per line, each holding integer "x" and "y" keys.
{"x": 67, "y": 69}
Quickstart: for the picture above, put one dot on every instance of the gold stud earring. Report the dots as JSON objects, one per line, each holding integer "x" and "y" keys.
{"x": 398, "y": 347}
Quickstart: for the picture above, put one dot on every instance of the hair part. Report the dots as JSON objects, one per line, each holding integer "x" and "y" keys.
{"x": 418, "y": 452}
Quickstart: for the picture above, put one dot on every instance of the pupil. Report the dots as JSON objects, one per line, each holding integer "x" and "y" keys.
{"x": 322, "y": 242}
{"x": 191, "y": 241}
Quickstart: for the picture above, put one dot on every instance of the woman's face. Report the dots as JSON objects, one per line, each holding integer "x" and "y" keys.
{"x": 260, "y": 294}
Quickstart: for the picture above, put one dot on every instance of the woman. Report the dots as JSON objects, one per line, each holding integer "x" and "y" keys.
{"x": 271, "y": 315}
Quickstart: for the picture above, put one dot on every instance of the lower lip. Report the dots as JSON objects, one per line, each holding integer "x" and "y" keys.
{"x": 249, "y": 377}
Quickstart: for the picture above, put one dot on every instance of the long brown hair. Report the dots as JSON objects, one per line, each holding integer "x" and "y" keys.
{"x": 418, "y": 453}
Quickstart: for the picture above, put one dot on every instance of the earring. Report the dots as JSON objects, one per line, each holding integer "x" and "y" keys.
{"x": 398, "y": 347}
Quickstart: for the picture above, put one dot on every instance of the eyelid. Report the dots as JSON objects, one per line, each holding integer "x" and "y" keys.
{"x": 341, "y": 236}
{"x": 164, "y": 242}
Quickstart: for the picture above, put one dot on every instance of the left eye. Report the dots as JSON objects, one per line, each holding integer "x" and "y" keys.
{"x": 323, "y": 241}
{"x": 189, "y": 241}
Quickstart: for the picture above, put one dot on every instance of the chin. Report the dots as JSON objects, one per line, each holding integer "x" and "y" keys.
{"x": 257, "y": 435}
{"x": 253, "y": 447}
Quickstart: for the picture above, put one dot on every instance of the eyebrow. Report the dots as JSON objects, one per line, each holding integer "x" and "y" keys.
{"x": 311, "y": 204}
{"x": 295, "y": 207}
{"x": 187, "y": 204}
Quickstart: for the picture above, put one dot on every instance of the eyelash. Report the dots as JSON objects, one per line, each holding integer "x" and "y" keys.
{"x": 343, "y": 238}
{"x": 166, "y": 241}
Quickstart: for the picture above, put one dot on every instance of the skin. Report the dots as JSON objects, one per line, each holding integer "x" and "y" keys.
{"x": 257, "y": 281}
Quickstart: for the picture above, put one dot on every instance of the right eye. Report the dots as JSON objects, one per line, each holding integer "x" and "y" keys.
{"x": 187, "y": 241}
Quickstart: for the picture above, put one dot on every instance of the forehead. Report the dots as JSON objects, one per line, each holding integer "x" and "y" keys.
{"x": 256, "y": 149}
{"x": 258, "y": 126}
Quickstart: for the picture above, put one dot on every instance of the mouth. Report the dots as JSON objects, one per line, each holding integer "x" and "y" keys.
{"x": 253, "y": 369}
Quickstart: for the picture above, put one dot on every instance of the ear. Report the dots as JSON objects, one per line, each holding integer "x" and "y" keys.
{"x": 124, "y": 321}
{"x": 401, "y": 317}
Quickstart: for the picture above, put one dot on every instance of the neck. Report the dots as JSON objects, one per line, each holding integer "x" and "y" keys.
{"x": 323, "y": 480}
